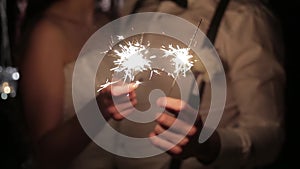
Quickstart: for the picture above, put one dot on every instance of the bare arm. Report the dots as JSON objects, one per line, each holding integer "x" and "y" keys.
{"x": 55, "y": 142}
{"x": 43, "y": 97}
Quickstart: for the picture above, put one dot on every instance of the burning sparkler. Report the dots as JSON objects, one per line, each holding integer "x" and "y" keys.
{"x": 181, "y": 59}
{"x": 131, "y": 59}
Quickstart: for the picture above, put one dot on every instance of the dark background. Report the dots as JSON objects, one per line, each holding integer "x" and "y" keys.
{"x": 13, "y": 141}
{"x": 288, "y": 13}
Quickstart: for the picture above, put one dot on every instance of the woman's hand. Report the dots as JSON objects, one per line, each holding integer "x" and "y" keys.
{"x": 117, "y": 100}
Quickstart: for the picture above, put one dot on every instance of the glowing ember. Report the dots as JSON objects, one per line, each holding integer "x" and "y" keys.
{"x": 120, "y": 37}
{"x": 137, "y": 83}
{"x": 151, "y": 73}
{"x": 107, "y": 83}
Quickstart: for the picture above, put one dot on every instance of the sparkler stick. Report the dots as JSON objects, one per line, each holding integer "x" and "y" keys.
{"x": 188, "y": 48}
{"x": 130, "y": 59}
{"x": 195, "y": 33}
{"x": 175, "y": 163}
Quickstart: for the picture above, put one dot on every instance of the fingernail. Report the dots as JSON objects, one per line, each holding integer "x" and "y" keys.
{"x": 134, "y": 86}
{"x": 131, "y": 87}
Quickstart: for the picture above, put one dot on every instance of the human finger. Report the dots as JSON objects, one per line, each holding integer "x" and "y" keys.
{"x": 122, "y": 106}
{"x": 117, "y": 90}
{"x": 176, "y": 105}
{"x": 172, "y": 137}
{"x": 176, "y": 124}
{"x": 125, "y": 97}
{"x": 123, "y": 114}
{"x": 164, "y": 144}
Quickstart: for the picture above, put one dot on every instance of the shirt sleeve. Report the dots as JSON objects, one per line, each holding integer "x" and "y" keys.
{"x": 249, "y": 43}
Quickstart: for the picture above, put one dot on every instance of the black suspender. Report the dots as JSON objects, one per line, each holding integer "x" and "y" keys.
{"x": 137, "y": 5}
{"x": 216, "y": 20}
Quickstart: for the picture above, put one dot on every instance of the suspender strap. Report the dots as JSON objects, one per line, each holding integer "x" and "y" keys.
{"x": 215, "y": 23}
{"x": 137, "y": 5}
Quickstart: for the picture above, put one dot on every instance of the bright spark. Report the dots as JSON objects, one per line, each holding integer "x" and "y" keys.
{"x": 111, "y": 40}
{"x": 181, "y": 59}
{"x": 107, "y": 83}
{"x": 120, "y": 37}
{"x": 152, "y": 57}
{"x": 151, "y": 73}
{"x": 137, "y": 83}
{"x": 131, "y": 59}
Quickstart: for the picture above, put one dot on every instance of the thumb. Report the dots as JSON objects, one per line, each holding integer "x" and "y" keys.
{"x": 118, "y": 90}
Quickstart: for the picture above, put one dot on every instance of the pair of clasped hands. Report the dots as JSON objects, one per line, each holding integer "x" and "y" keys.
{"x": 118, "y": 100}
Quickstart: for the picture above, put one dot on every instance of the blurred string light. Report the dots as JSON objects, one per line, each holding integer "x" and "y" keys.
{"x": 8, "y": 75}
{"x": 8, "y": 81}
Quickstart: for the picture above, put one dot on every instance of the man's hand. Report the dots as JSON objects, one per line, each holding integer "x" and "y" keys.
{"x": 181, "y": 140}
{"x": 182, "y": 134}
{"x": 117, "y": 100}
